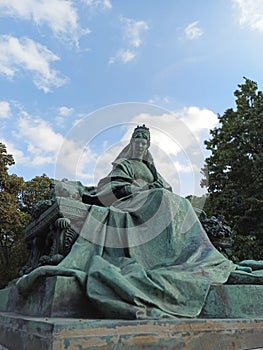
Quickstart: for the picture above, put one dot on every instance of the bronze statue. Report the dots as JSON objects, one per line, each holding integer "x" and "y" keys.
{"x": 142, "y": 251}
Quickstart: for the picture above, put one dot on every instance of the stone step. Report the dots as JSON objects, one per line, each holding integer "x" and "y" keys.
{"x": 31, "y": 333}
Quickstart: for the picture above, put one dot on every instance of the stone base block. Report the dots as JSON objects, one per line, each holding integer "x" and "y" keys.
{"x": 63, "y": 297}
{"x": 234, "y": 301}
{"x": 50, "y": 297}
{"x": 28, "y": 333}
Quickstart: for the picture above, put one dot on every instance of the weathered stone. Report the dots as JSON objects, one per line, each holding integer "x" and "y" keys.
{"x": 28, "y": 333}
{"x": 51, "y": 297}
{"x": 53, "y": 232}
{"x": 234, "y": 301}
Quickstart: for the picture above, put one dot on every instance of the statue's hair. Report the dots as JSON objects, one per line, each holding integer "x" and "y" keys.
{"x": 142, "y": 129}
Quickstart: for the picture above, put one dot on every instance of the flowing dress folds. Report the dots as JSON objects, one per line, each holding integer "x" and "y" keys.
{"x": 143, "y": 248}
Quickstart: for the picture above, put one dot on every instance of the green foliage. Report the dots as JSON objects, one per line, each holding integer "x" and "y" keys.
{"x": 17, "y": 198}
{"x": 245, "y": 247}
{"x": 6, "y": 160}
{"x": 233, "y": 172}
{"x": 12, "y": 220}
{"x": 34, "y": 191}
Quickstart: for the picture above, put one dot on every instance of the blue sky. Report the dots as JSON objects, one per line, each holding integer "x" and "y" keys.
{"x": 77, "y": 76}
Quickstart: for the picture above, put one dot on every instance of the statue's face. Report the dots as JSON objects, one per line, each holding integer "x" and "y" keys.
{"x": 139, "y": 147}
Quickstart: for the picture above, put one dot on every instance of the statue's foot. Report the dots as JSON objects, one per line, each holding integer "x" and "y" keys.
{"x": 253, "y": 264}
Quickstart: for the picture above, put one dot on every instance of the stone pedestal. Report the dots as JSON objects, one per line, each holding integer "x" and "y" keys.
{"x": 234, "y": 301}
{"x": 232, "y": 318}
{"x": 28, "y": 333}
{"x": 63, "y": 297}
{"x": 51, "y": 297}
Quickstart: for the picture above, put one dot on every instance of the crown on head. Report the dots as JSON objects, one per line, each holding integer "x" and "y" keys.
{"x": 143, "y": 130}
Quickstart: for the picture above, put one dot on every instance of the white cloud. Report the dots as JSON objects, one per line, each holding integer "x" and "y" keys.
{"x": 74, "y": 161}
{"x": 193, "y": 31}
{"x": 27, "y": 55}
{"x": 5, "y": 109}
{"x": 85, "y": 167}
{"x": 104, "y": 4}
{"x": 65, "y": 111}
{"x": 59, "y": 15}
{"x": 132, "y": 32}
{"x": 42, "y": 141}
{"x": 159, "y": 100}
{"x": 198, "y": 119}
{"x": 124, "y": 56}
{"x": 250, "y": 13}
{"x": 44, "y": 146}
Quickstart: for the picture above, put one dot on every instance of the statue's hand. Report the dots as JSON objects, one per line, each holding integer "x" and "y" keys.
{"x": 155, "y": 184}
{"x": 152, "y": 185}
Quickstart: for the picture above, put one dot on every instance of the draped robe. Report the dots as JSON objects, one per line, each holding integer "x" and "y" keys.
{"x": 143, "y": 249}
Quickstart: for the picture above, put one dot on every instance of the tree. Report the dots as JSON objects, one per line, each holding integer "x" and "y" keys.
{"x": 17, "y": 199}
{"x": 12, "y": 220}
{"x": 233, "y": 172}
{"x": 34, "y": 191}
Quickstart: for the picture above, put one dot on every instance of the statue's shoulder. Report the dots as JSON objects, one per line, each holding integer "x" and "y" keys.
{"x": 123, "y": 165}
{"x": 122, "y": 162}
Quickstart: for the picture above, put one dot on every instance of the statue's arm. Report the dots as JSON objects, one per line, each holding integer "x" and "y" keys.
{"x": 160, "y": 183}
{"x": 118, "y": 184}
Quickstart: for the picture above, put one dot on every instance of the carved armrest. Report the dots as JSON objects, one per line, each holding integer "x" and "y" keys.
{"x": 51, "y": 235}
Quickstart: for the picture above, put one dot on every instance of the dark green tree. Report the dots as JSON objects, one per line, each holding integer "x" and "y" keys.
{"x": 34, "y": 191}
{"x": 12, "y": 220}
{"x": 17, "y": 199}
{"x": 233, "y": 172}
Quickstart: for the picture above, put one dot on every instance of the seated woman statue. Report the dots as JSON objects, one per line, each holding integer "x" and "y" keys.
{"x": 142, "y": 252}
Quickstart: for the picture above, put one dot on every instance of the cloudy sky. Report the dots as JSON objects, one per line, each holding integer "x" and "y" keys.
{"x": 77, "y": 76}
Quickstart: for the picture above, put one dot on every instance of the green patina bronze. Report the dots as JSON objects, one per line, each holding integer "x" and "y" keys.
{"x": 139, "y": 250}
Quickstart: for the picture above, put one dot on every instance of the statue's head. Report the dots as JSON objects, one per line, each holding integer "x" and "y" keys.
{"x": 138, "y": 146}
{"x": 140, "y": 142}
{"x": 141, "y": 132}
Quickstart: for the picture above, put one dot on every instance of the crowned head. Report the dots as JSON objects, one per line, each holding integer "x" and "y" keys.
{"x": 141, "y": 131}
